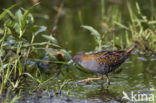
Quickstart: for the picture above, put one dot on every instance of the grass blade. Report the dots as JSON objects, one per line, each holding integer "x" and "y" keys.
{"x": 6, "y": 11}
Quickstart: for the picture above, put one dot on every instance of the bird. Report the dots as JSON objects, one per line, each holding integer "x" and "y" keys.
{"x": 102, "y": 62}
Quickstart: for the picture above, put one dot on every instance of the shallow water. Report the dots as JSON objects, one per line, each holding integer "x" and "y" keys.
{"x": 136, "y": 75}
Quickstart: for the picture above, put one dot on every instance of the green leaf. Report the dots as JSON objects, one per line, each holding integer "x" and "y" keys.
{"x": 67, "y": 55}
{"x": 15, "y": 99}
{"x": 26, "y": 13}
{"x": 19, "y": 67}
{"x": 10, "y": 14}
{"x": 92, "y": 30}
{"x": 4, "y": 66}
{"x": 51, "y": 52}
{"x": 96, "y": 34}
{"x": 39, "y": 44}
{"x": 121, "y": 25}
{"x": 28, "y": 74}
{"x": 17, "y": 28}
{"x": 19, "y": 15}
{"x": 41, "y": 29}
{"x": 5, "y": 11}
{"x": 52, "y": 39}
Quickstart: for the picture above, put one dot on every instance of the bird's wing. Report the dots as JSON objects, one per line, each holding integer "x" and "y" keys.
{"x": 111, "y": 57}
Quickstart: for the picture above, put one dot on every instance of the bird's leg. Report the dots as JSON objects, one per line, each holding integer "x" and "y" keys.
{"x": 108, "y": 80}
{"x": 91, "y": 79}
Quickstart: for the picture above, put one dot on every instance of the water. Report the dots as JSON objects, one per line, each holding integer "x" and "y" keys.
{"x": 136, "y": 75}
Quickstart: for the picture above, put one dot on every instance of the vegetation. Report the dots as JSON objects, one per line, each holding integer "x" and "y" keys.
{"x": 25, "y": 62}
{"x": 18, "y": 53}
{"x": 139, "y": 28}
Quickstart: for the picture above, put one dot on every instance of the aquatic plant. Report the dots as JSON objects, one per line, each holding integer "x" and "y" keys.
{"x": 139, "y": 28}
{"x": 19, "y": 53}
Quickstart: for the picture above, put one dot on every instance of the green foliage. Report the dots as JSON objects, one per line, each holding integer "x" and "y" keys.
{"x": 96, "y": 34}
{"x": 138, "y": 29}
{"x": 17, "y": 50}
{"x": 6, "y": 11}
{"x": 52, "y": 39}
{"x": 23, "y": 59}
{"x": 145, "y": 35}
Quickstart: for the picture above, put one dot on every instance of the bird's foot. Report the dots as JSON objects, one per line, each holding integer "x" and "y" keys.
{"x": 85, "y": 80}
{"x": 90, "y": 79}
{"x": 108, "y": 81}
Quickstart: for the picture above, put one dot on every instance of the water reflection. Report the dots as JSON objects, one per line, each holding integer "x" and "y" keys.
{"x": 104, "y": 95}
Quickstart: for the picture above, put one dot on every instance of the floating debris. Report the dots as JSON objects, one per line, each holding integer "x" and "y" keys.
{"x": 153, "y": 57}
{"x": 142, "y": 58}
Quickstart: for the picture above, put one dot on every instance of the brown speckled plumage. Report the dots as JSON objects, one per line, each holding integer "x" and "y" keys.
{"x": 103, "y": 62}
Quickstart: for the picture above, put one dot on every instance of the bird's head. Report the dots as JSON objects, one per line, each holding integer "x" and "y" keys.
{"x": 77, "y": 58}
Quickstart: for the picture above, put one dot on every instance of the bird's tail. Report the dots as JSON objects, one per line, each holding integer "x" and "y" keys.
{"x": 132, "y": 48}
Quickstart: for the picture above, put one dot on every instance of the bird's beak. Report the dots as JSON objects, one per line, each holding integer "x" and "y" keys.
{"x": 71, "y": 62}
